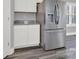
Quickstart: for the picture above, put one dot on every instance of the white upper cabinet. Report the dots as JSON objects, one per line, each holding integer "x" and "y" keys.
{"x": 25, "y": 5}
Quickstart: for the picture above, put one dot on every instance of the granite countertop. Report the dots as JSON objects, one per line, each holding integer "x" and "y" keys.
{"x": 26, "y": 23}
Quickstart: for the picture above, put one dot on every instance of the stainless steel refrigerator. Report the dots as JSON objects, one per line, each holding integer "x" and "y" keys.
{"x": 51, "y": 17}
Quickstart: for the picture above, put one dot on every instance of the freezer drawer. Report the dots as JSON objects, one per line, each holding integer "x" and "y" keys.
{"x": 54, "y": 39}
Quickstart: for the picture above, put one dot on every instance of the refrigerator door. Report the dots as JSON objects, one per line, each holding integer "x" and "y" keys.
{"x": 49, "y": 14}
{"x": 54, "y": 17}
{"x": 60, "y": 20}
{"x": 54, "y": 39}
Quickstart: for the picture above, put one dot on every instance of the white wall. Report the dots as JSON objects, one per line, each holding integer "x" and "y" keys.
{"x": 7, "y": 27}
{"x": 6, "y": 34}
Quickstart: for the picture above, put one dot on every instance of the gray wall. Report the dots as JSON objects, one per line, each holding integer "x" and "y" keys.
{"x": 24, "y": 16}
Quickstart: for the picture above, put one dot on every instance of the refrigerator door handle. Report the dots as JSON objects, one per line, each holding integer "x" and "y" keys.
{"x": 44, "y": 19}
{"x": 56, "y": 14}
{"x": 57, "y": 20}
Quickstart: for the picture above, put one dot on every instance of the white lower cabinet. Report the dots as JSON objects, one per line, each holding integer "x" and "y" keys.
{"x": 26, "y": 35}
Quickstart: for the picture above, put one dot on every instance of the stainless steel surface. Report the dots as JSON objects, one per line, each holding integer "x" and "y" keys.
{"x": 54, "y": 39}
{"x": 55, "y": 8}
{"x": 52, "y": 19}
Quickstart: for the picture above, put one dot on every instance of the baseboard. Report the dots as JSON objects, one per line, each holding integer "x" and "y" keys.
{"x": 11, "y": 51}
{"x": 5, "y": 55}
{"x": 27, "y": 48}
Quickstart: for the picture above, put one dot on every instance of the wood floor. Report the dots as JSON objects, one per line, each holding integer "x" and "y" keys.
{"x": 65, "y": 53}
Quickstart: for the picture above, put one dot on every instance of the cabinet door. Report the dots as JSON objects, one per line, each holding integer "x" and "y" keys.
{"x": 25, "y": 5}
{"x": 33, "y": 35}
{"x": 20, "y": 36}
{"x": 26, "y": 36}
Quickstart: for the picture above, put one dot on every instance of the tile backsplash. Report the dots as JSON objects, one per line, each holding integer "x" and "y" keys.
{"x": 25, "y": 16}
